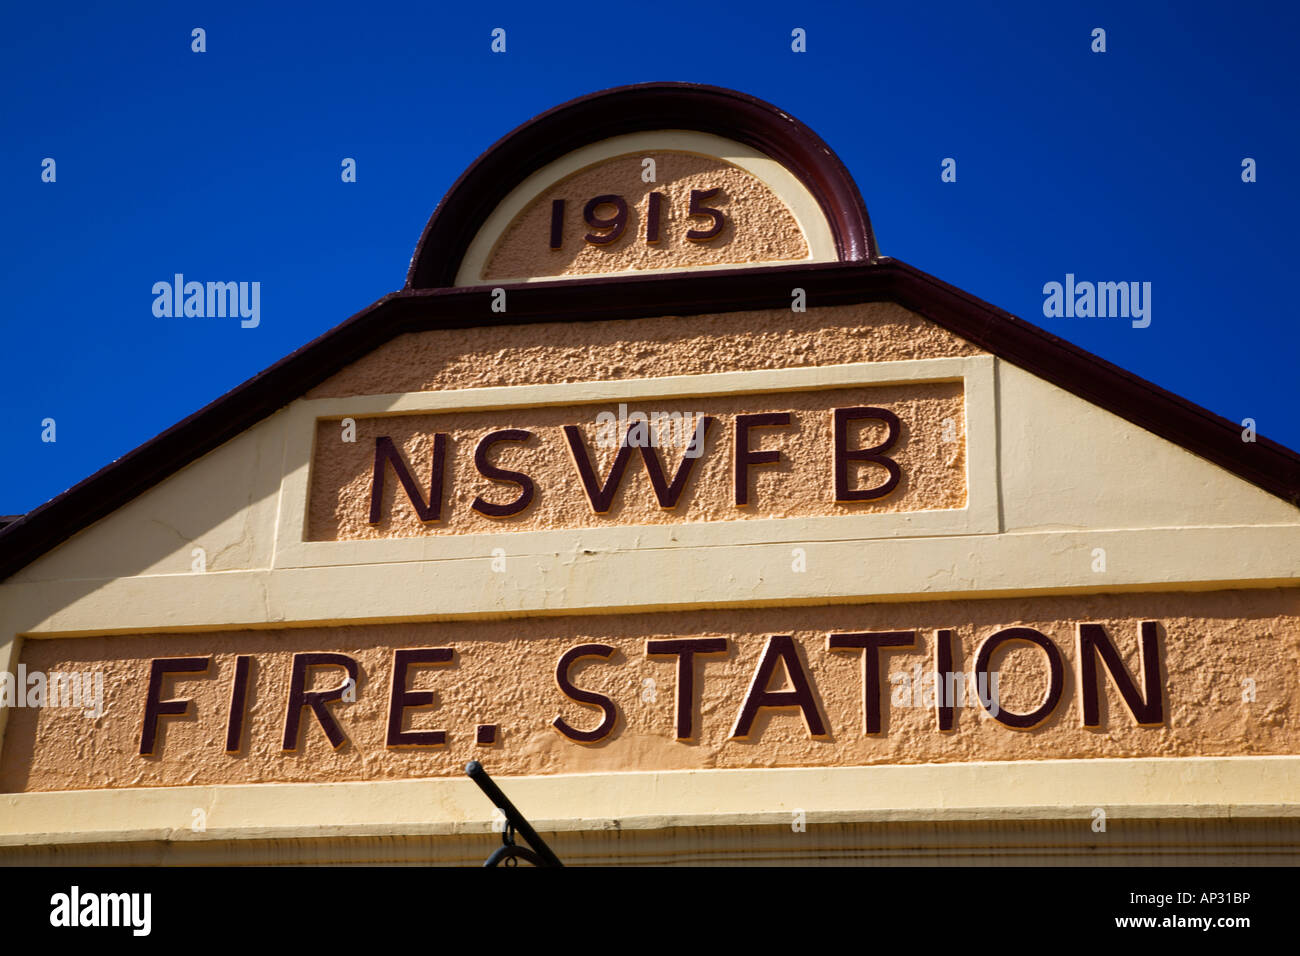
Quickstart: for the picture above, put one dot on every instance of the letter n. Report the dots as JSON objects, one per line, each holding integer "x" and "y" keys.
{"x": 1093, "y": 642}
{"x": 386, "y": 453}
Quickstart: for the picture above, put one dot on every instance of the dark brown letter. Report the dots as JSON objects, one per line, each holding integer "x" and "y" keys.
{"x": 843, "y": 454}
{"x": 155, "y": 708}
{"x": 780, "y": 647}
{"x": 872, "y": 642}
{"x": 400, "y": 698}
{"x": 666, "y": 493}
{"x": 238, "y": 694}
{"x": 300, "y": 697}
{"x": 386, "y": 451}
{"x": 746, "y": 457}
{"x": 982, "y": 679}
{"x": 1149, "y": 712}
{"x": 686, "y": 649}
{"x": 500, "y": 474}
{"x": 567, "y": 687}
{"x": 601, "y": 498}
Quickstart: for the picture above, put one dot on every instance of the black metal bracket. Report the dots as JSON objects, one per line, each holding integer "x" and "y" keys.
{"x": 510, "y": 852}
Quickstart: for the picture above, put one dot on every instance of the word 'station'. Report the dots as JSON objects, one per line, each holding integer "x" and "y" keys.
{"x": 781, "y": 655}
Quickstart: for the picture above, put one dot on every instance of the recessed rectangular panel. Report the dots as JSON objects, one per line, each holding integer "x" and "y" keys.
{"x": 711, "y": 458}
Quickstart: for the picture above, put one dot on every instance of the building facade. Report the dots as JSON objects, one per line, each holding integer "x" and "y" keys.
{"x": 713, "y": 534}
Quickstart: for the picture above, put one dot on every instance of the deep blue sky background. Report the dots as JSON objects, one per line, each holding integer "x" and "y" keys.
{"x": 225, "y": 166}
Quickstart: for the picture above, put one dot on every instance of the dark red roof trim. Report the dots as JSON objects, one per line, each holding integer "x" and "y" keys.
{"x": 1264, "y": 463}
{"x": 632, "y": 109}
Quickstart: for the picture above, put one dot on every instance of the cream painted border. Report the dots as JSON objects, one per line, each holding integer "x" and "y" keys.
{"x": 980, "y": 516}
{"x": 805, "y": 209}
{"x": 1039, "y": 790}
{"x": 578, "y": 581}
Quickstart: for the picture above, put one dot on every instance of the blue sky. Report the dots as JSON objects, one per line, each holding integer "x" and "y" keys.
{"x": 1115, "y": 166}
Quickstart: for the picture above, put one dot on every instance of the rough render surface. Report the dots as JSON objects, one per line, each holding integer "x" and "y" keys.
{"x": 930, "y": 452}
{"x": 1212, "y": 645}
{"x": 643, "y": 348}
{"x": 758, "y": 225}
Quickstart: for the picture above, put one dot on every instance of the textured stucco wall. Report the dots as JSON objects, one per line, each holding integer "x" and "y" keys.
{"x": 1212, "y": 643}
{"x": 643, "y": 348}
{"x": 802, "y": 483}
{"x": 758, "y": 225}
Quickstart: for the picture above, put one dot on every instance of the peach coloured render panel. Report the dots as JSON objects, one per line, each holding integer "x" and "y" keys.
{"x": 643, "y": 348}
{"x": 1228, "y": 675}
{"x": 758, "y": 227}
{"x": 930, "y": 452}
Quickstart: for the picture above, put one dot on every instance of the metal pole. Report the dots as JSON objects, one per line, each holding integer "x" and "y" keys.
{"x": 480, "y": 776}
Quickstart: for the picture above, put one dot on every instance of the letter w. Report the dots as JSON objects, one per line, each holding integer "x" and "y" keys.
{"x": 666, "y": 493}
{"x": 386, "y": 453}
{"x": 600, "y": 496}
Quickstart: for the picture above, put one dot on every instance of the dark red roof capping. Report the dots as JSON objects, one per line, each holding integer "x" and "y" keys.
{"x": 632, "y": 109}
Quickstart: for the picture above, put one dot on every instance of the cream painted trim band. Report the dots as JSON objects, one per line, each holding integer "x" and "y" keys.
{"x": 980, "y": 516}
{"x": 1040, "y": 790}
{"x": 758, "y": 382}
{"x": 805, "y": 209}
{"x": 459, "y": 585}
